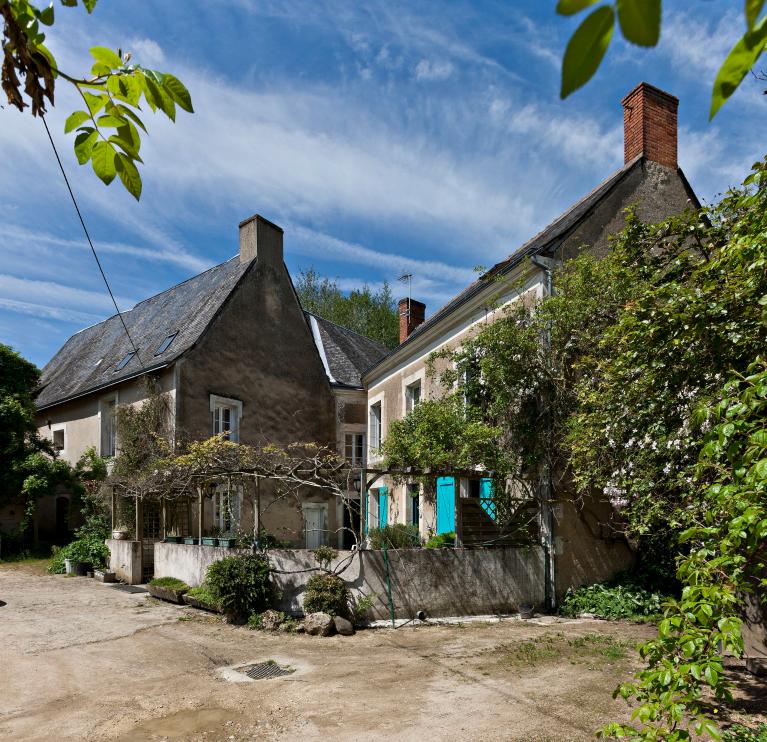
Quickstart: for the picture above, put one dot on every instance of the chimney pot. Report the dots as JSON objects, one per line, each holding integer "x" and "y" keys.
{"x": 650, "y": 125}
{"x": 260, "y": 238}
{"x": 411, "y": 314}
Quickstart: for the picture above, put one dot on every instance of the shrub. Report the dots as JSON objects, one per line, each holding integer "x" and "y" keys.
{"x": 204, "y": 595}
{"x": 396, "y": 536}
{"x": 242, "y": 584}
{"x": 170, "y": 582}
{"x": 326, "y": 593}
{"x": 610, "y": 600}
{"x": 90, "y": 550}
{"x": 325, "y": 555}
{"x": 441, "y": 541}
{"x": 740, "y": 733}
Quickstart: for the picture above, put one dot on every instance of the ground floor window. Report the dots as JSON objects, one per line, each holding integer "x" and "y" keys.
{"x": 315, "y": 524}
{"x": 227, "y": 506}
{"x": 414, "y": 504}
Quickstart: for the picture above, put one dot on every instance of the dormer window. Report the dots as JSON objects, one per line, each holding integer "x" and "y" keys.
{"x": 165, "y": 344}
{"x": 125, "y": 361}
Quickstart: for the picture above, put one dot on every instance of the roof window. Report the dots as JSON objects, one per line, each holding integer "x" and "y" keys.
{"x": 125, "y": 361}
{"x": 165, "y": 344}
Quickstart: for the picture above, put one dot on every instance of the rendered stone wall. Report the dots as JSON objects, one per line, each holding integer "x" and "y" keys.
{"x": 125, "y": 560}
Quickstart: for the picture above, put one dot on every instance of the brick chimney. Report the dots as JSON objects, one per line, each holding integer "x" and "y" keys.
{"x": 262, "y": 239}
{"x": 650, "y": 125}
{"x": 411, "y": 314}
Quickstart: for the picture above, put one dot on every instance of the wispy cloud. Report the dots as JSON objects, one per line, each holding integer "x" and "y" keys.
{"x": 433, "y": 70}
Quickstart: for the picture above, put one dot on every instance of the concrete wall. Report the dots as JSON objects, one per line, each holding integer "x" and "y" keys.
{"x": 125, "y": 560}
{"x": 444, "y": 582}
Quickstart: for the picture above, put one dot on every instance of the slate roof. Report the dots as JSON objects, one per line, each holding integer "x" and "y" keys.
{"x": 88, "y": 359}
{"x": 547, "y": 240}
{"x": 345, "y": 354}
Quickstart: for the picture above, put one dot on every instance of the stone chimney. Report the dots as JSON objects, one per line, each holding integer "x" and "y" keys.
{"x": 261, "y": 239}
{"x": 411, "y": 314}
{"x": 650, "y": 125}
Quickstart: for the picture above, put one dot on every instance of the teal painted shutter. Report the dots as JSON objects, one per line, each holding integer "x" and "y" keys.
{"x": 486, "y": 497}
{"x": 445, "y": 505}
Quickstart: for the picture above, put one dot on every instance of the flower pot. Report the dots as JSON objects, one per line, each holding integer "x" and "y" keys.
{"x": 209, "y": 541}
{"x": 171, "y": 594}
{"x": 80, "y": 568}
{"x": 120, "y": 535}
{"x": 69, "y": 566}
{"x": 229, "y": 543}
{"x": 173, "y": 539}
{"x": 191, "y": 541}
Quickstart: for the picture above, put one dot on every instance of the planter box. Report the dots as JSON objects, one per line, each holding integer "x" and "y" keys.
{"x": 173, "y": 539}
{"x": 209, "y": 541}
{"x": 190, "y": 541}
{"x": 103, "y": 575}
{"x": 71, "y": 567}
{"x": 229, "y": 543}
{"x": 171, "y": 594}
{"x": 192, "y": 601}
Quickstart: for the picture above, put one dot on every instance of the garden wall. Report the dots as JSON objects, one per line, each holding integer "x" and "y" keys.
{"x": 125, "y": 560}
{"x": 442, "y": 582}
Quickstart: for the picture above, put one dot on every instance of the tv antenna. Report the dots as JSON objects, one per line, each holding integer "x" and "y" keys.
{"x": 409, "y": 278}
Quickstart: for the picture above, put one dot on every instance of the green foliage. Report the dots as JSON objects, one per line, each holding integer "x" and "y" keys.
{"x": 441, "y": 541}
{"x": 640, "y": 23}
{"x": 612, "y": 601}
{"x": 107, "y": 129}
{"x": 170, "y": 582}
{"x": 205, "y": 596}
{"x": 395, "y": 536}
{"x": 370, "y": 313}
{"x": 91, "y": 550}
{"x": 360, "y": 607}
{"x": 325, "y": 555}
{"x": 242, "y": 584}
{"x": 326, "y": 593}
{"x": 740, "y": 733}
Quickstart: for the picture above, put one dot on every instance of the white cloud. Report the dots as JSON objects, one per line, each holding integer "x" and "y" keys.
{"x": 433, "y": 70}
{"x": 146, "y": 52}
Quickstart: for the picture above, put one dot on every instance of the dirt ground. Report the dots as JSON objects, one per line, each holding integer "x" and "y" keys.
{"x": 81, "y": 660}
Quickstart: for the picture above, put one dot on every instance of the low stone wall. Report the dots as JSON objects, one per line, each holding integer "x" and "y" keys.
{"x": 125, "y": 560}
{"x": 442, "y": 582}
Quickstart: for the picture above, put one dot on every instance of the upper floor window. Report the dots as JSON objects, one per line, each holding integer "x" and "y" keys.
{"x": 355, "y": 448}
{"x": 226, "y": 417}
{"x": 165, "y": 344}
{"x": 125, "y": 360}
{"x": 412, "y": 396}
{"x": 375, "y": 426}
{"x": 107, "y": 411}
{"x": 58, "y": 439}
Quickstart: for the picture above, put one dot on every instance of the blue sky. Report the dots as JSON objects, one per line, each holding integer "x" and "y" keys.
{"x": 383, "y": 136}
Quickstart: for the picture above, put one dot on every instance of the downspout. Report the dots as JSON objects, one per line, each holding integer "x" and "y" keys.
{"x": 547, "y": 479}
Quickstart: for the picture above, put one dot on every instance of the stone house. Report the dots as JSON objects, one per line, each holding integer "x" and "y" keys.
{"x": 581, "y": 546}
{"x": 233, "y": 352}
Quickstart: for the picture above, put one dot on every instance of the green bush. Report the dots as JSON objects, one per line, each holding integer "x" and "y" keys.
{"x": 171, "y": 582}
{"x": 611, "y": 600}
{"x": 441, "y": 541}
{"x": 326, "y": 593}
{"x": 395, "y": 536}
{"x": 204, "y": 595}
{"x": 740, "y": 733}
{"x": 242, "y": 584}
{"x": 92, "y": 551}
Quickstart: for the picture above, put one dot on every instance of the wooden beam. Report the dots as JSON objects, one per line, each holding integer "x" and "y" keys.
{"x": 200, "y": 513}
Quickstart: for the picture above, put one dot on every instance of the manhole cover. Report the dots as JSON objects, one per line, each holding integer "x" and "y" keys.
{"x": 265, "y": 671}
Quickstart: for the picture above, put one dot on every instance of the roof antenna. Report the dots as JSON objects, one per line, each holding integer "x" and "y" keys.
{"x": 409, "y": 278}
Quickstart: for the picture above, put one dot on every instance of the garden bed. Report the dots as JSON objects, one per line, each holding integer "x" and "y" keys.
{"x": 168, "y": 588}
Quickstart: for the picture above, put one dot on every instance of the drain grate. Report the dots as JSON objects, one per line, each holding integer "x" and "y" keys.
{"x": 265, "y": 671}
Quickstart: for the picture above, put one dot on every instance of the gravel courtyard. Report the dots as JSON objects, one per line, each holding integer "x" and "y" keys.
{"x": 87, "y": 661}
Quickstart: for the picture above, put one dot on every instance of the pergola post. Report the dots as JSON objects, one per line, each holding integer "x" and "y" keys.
{"x": 114, "y": 508}
{"x": 200, "y": 513}
{"x": 164, "y": 519}
{"x": 458, "y": 512}
{"x": 139, "y": 519}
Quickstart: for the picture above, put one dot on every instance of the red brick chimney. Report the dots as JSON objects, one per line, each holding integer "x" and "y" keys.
{"x": 411, "y": 314}
{"x": 649, "y": 125}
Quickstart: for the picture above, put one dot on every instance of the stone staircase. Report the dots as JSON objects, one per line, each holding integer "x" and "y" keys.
{"x": 478, "y": 529}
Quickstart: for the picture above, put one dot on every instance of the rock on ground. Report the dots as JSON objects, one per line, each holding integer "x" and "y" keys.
{"x": 319, "y": 624}
{"x": 343, "y": 627}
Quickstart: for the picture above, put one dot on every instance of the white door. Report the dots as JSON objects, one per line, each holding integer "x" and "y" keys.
{"x": 314, "y": 526}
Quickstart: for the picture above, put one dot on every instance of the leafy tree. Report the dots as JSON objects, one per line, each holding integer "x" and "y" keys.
{"x": 367, "y": 312}
{"x": 107, "y": 129}
{"x": 639, "y": 22}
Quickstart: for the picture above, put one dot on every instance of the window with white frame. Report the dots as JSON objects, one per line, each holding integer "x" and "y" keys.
{"x": 354, "y": 449}
{"x": 59, "y": 439}
{"x": 315, "y": 524}
{"x": 227, "y": 506}
{"x": 375, "y": 426}
{"x": 227, "y": 414}
{"x": 107, "y": 411}
{"x": 412, "y": 396}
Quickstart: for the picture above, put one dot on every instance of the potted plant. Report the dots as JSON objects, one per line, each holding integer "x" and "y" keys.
{"x": 121, "y": 533}
{"x": 228, "y": 539}
{"x": 173, "y": 537}
{"x": 212, "y": 538}
{"x": 190, "y": 540}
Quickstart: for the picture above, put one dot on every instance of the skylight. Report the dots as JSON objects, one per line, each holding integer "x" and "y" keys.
{"x": 165, "y": 344}
{"x": 125, "y": 361}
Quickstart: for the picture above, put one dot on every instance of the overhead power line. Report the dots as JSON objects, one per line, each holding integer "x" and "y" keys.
{"x": 90, "y": 242}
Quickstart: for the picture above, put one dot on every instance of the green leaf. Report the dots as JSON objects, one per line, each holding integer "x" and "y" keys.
{"x": 106, "y": 56}
{"x": 69, "y": 3}
{"x": 103, "y": 160}
{"x": 90, "y": 5}
{"x": 159, "y": 98}
{"x": 46, "y": 15}
{"x": 740, "y": 60}
{"x": 586, "y": 49}
{"x": 95, "y": 102}
{"x": 75, "y": 119}
{"x": 752, "y": 9}
{"x": 640, "y": 21}
{"x": 129, "y": 175}
{"x": 570, "y": 7}
{"x": 178, "y": 92}
{"x": 84, "y": 142}
{"x": 109, "y": 121}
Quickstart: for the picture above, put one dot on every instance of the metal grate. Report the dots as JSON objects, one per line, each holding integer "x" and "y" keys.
{"x": 265, "y": 671}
